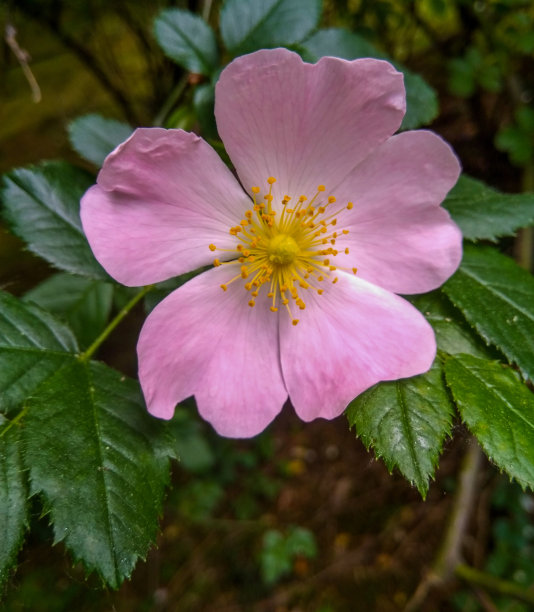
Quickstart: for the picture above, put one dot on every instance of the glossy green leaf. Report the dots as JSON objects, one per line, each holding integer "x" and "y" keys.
{"x": 497, "y": 298}
{"x": 95, "y": 456}
{"x": 453, "y": 334}
{"x": 85, "y": 304}
{"x": 42, "y": 206}
{"x": 483, "y": 213}
{"x": 257, "y": 24}
{"x": 94, "y": 137}
{"x": 13, "y": 496}
{"x": 421, "y": 99}
{"x": 406, "y": 422}
{"x": 33, "y": 345}
{"x": 499, "y": 409}
{"x": 188, "y": 40}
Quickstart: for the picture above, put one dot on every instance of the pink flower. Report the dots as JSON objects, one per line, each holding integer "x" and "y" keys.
{"x": 333, "y": 218}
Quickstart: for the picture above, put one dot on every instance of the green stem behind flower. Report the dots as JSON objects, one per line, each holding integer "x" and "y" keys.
{"x": 114, "y": 322}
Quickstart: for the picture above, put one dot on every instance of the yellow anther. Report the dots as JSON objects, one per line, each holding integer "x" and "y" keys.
{"x": 354, "y": 270}
{"x": 345, "y": 232}
{"x": 283, "y": 252}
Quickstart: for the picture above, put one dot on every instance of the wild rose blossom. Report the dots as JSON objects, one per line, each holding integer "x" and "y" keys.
{"x": 332, "y": 218}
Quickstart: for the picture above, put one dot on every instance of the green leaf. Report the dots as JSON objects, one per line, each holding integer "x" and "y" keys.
{"x": 497, "y": 298}
{"x": 42, "y": 206}
{"x": 405, "y": 421}
{"x": 96, "y": 457}
{"x": 279, "y": 551}
{"x": 498, "y": 409}
{"x": 94, "y": 137}
{"x": 453, "y": 334}
{"x": 13, "y": 496}
{"x": 257, "y": 24}
{"x": 483, "y": 213}
{"x": 188, "y": 40}
{"x": 33, "y": 345}
{"x": 203, "y": 103}
{"x": 85, "y": 304}
{"x": 339, "y": 42}
{"x": 421, "y": 99}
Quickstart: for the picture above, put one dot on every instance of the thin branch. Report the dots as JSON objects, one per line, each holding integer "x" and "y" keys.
{"x": 23, "y": 58}
{"x": 502, "y": 587}
{"x": 449, "y": 555}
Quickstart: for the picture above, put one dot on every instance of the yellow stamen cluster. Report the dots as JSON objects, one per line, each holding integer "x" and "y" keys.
{"x": 286, "y": 251}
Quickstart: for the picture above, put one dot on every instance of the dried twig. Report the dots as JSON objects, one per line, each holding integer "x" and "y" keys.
{"x": 23, "y": 58}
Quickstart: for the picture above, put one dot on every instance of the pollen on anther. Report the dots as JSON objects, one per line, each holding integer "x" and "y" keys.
{"x": 271, "y": 180}
{"x": 216, "y": 262}
{"x": 274, "y": 309}
{"x": 331, "y": 199}
{"x": 354, "y": 270}
{"x": 350, "y": 205}
{"x": 295, "y": 321}
{"x": 255, "y": 189}
{"x": 212, "y": 247}
{"x": 321, "y": 188}
{"x": 224, "y": 287}
{"x": 251, "y": 303}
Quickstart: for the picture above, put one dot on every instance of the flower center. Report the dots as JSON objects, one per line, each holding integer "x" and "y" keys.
{"x": 282, "y": 249}
{"x": 287, "y": 251}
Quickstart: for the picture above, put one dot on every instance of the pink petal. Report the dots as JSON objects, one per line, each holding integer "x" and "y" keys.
{"x": 162, "y": 197}
{"x": 400, "y": 238}
{"x": 304, "y": 124}
{"x": 348, "y": 339}
{"x": 209, "y": 343}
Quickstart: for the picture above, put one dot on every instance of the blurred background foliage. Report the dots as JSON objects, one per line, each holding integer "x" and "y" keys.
{"x": 299, "y": 518}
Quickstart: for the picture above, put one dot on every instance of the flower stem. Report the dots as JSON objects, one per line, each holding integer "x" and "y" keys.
{"x": 114, "y": 322}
